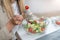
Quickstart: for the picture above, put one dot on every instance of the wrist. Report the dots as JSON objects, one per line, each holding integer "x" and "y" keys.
{"x": 10, "y": 26}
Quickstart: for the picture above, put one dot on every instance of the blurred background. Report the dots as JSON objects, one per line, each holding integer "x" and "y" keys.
{"x": 43, "y": 7}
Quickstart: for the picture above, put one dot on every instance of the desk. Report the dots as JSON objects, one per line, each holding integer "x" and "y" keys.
{"x": 49, "y": 29}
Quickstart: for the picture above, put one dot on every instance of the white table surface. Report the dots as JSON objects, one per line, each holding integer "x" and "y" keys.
{"x": 50, "y": 29}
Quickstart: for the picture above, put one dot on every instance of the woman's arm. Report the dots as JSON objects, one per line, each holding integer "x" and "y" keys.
{"x": 9, "y": 26}
{"x": 16, "y": 20}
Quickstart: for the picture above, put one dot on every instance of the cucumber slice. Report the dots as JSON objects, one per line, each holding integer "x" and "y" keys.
{"x": 37, "y": 30}
{"x": 32, "y": 25}
{"x": 36, "y": 26}
{"x": 31, "y": 20}
{"x": 29, "y": 25}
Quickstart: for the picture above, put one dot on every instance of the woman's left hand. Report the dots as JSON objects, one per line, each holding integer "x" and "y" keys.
{"x": 16, "y": 20}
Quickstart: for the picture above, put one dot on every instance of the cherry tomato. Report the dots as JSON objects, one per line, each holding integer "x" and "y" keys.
{"x": 41, "y": 19}
{"x": 42, "y": 29}
{"x": 58, "y": 22}
{"x": 30, "y": 29}
{"x": 26, "y": 7}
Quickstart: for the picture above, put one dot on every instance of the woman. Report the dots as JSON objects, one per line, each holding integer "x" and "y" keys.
{"x": 7, "y": 23}
{"x": 5, "y": 32}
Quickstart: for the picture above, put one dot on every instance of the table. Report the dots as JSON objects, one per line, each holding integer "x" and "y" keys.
{"x": 50, "y": 29}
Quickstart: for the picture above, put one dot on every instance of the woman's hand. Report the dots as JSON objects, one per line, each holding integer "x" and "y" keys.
{"x": 16, "y": 20}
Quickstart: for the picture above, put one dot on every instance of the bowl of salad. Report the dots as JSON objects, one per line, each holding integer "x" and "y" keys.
{"x": 36, "y": 26}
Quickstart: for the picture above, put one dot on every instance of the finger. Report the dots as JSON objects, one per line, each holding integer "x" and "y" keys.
{"x": 20, "y": 18}
{"x": 18, "y": 22}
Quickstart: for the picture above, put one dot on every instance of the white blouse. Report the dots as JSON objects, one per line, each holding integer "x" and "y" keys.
{"x": 16, "y": 12}
{"x": 15, "y": 8}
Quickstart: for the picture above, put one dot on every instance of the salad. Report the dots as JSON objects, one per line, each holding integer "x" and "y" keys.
{"x": 36, "y": 26}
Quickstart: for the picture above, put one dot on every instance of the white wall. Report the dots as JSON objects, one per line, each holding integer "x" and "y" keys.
{"x": 42, "y": 6}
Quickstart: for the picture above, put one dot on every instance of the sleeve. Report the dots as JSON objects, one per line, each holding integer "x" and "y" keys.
{"x": 5, "y": 35}
{"x": 15, "y": 8}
